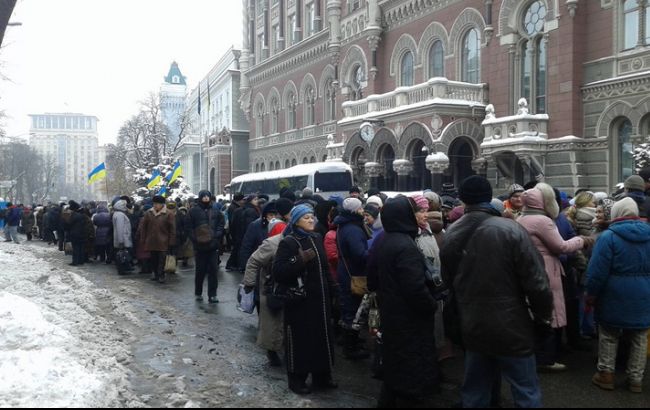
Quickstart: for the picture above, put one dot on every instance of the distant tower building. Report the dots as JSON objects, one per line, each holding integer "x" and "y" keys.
{"x": 172, "y": 100}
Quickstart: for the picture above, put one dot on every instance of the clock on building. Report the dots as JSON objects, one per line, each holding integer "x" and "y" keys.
{"x": 367, "y": 132}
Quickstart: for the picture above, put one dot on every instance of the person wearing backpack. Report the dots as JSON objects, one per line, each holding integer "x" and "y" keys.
{"x": 205, "y": 228}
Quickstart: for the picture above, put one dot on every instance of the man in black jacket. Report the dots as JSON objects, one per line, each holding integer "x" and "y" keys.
{"x": 498, "y": 280}
{"x": 205, "y": 227}
{"x": 237, "y": 203}
{"x": 75, "y": 230}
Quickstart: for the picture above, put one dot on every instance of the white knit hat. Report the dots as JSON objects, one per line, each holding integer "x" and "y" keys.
{"x": 625, "y": 208}
{"x": 375, "y": 200}
{"x": 352, "y": 205}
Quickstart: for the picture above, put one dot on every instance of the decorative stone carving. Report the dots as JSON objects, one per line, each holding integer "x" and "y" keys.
{"x": 437, "y": 162}
{"x": 489, "y": 112}
{"x": 373, "y": 169}
{"x": 523, "y": 107}
{"x": 479, "y": 166}
{"x": 436, "y": 125}
{"x": 402, "y": 167}
{"x": 572, "y": 6}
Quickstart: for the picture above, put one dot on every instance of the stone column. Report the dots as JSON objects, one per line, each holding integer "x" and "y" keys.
{"x": 403, "y": 168}
{"x": 373, "y": 172}
{"x": 318, "y": 19}
{"x": 437, "y": 163}
{"x": 299, "y": 11}
{"x": 282, "y": 26}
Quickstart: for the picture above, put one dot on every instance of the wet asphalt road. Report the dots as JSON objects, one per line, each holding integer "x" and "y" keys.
{"x": 187, "y": 353}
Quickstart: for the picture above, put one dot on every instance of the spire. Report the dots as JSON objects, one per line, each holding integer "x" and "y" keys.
{"x": 175, "y": 76}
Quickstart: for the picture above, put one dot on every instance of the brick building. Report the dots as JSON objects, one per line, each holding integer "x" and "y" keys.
{"x": 422, "y": 92}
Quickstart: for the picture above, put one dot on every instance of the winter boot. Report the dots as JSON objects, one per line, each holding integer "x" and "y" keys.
{"x": 634, "y": 386}
{"x": 352, "y": 348}
{"x": 298, "y": 385}
{"x": 274, "y": 359}
{"x": 604, "y": 380}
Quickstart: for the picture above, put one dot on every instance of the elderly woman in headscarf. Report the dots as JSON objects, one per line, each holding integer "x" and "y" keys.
{"x": 301, "y": 262}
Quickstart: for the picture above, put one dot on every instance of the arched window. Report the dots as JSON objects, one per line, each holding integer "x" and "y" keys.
{"x": 259, "y": 121}
{"x": 271, "y": 166}
{"x": 312, "y": 160}
{"x": 275, "y": 112}
{"x": 356, "y": 83}
{"x": 330, "y": 101}
{"x": 291, "y": 112}
{"x": 257, "y": 167}
{"x": 471, "y": 57}
{"x": 287, "y": 164}
{"x": 294, "y": 162}
{"x": 631, "y": 15}
{"x": 625, "y": 149}
{"x": 436, "y": 60}
{"x": 277, "y": 165}
{"x": 263, "y": 168}
{"x": 310, "y": 107}
{"x": 305, "y": 160}
{"x": 406, "y": 70}
{"x": 533, "y": 57}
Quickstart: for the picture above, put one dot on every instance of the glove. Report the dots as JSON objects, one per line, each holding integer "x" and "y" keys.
{"x": 307, "y": 256}
{"x": 249, "y": 289}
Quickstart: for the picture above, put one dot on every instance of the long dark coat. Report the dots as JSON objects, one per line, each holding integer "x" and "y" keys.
{"x": 308, "y": 331}
{"x": 104, "y": 227}
{"x": 406, "y": 306}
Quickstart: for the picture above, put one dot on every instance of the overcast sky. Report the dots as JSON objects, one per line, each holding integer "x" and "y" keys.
{"x": 101, "y": 57}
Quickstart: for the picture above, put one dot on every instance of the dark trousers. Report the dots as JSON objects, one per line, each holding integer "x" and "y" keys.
{"x": 103, "y": 253}
{"x": 207, "y": 264}
{"x": 233, "y": 261}
{"x": 78, "y": 255}
{"x": 29, "y": 235}
{"x": 158, "y": 260}
{"x": 60, "y": 235}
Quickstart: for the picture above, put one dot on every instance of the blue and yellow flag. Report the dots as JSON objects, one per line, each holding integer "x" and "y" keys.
{"x": 163, "y": 191}
{"x": 97, "y": 174}
{"x": 155, "y": 179}
{"x": 175, "y": 173}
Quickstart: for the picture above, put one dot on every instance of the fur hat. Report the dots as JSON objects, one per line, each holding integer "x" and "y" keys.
{"x": 158, "y": 200}
{"x": 283, "y": 206}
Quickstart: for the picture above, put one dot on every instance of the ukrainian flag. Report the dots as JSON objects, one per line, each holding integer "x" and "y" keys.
{"x": 155, "y": 179}
{"x": 175, "y": 173}
{"x": 163, "y": 192}
{"x": 97, "y": 174}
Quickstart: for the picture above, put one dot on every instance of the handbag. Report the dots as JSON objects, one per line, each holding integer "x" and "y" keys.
{"x": 374, "y": 321}
{"x": 285, "y": 295}
{"x": 433, "y": 277}
{"x": 123, "y": 257}
{"x": 358, "y": 284}
{"x": 170, "y": 264}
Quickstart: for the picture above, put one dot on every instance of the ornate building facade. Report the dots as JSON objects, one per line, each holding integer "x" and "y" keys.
{"x": 422, "y": 92}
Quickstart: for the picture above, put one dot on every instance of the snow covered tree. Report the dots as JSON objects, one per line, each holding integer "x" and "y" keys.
{"x": 178, "y": 189}
{"x": 642, "y": 156}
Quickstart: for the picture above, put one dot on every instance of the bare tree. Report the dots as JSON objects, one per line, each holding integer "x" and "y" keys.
{"x": 21, "y": 165}
{"x": 6, "y": 9}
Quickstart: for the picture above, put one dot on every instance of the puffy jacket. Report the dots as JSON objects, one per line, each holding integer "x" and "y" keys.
{"x": 353, "y": 244}
{"x": 619, "y": 276}
{"x": 497, "y": 276}
{"x": 104, "y": 226}
{"x": 13, "y": 216}
{"x": 122, "y": 235}
{"x": 75, "y": 228}
{"x": 199, "y": 215}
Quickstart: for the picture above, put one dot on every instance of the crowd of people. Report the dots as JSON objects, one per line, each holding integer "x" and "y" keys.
{"x": 509, "y": 281}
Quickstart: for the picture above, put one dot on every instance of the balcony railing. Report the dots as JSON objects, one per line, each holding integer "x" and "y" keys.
{"x": 287, "y": 137}
{"x": 436, "y": 88}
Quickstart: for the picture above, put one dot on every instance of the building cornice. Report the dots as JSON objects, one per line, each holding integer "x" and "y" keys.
{"x": 295, "y": 57}
{"x": 400, "y": 12}
{"x": 613, "y": 87}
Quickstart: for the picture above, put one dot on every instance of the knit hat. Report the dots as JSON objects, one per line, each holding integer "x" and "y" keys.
{"x": 433, "y": 197}
{"x": 371, "y": 210}
{"x": 269, "y": 208}
{"x": 421, "y": 202}
{"x": 514, "y": 189}
{"x": 204, "y": 193}
{"x": 635, "y": 183}
{"x": 352, "y": 205}
{"x": 158, "y": 200}
{"x": 475, "y": 190}
{"x": 498, "y": 205}
{"x": 299, "y": 211}
{"x": 307, "y": 193}
{"x": 607, "y": 205}
{"x": 73, "y": 205}
{"x": 375, "y": 200}
{"x": 355, "y": 189}
{"x": 625, "y": 208}
{"x": 283, "y": 206}
{"x": 373, "y": 192}
{"x": 286, "y": 193}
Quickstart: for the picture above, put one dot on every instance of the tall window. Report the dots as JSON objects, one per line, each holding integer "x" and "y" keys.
{"x": 275, "y": 112}
{"x": 291, "y": 30}
{"x": 625, "y": 149}
{"x": 533, "y": 61}
{"x": 356, "y": 80}
{"x": 259, "y": 121}
{"x": 406, "y": 70}
{"x": 291, "y": 112}
{"x": 471, "y": 63}
{"x": 330, "y": 101}
{"x": 310, "y": 106}
{"x": 310, "y": 16}
{"x": 632, "y": 14}
{"x": 436, "y": 60}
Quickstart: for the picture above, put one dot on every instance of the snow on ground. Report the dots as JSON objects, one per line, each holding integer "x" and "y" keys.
{"x": 55, "y": 348}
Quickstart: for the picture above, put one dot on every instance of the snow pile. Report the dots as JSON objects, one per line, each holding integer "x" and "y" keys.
{"x": 55, "y": 350}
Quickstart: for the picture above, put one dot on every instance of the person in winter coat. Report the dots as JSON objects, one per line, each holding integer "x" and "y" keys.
{"x": 12, "y": 221}
{"x": 233, "y": 231}
{"x": 540, "y": 211}
{"x": 323, "y": 210}
{"x": 372, "y": 217}
{"x": 53, "y": 225}
{"x": 352, "y": 241}
{"x": 407, "y": 311}
{"x": 159, "y": 230}
{"x": 498, "y": 279}
{"x": 258, "y": 273}
{"x": 122, "y": 237}
{"x": 256, "y": 233}
{"x": 89, "y": 247}
{"x": 75, "y": 231}
{"x": 309, "y": 343}
{"x": 514, "y": 205}
{"x": 635, "y": 189}
{"x": 27, "y": 222}
{"x": 40, "y": 222}
{"x": 185, "y": 249}
{"x": 205, "y": 228}
{"x": 103, "y": 235}
{"x": 582, "y": 213}
{"x": 618, "y": 282}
